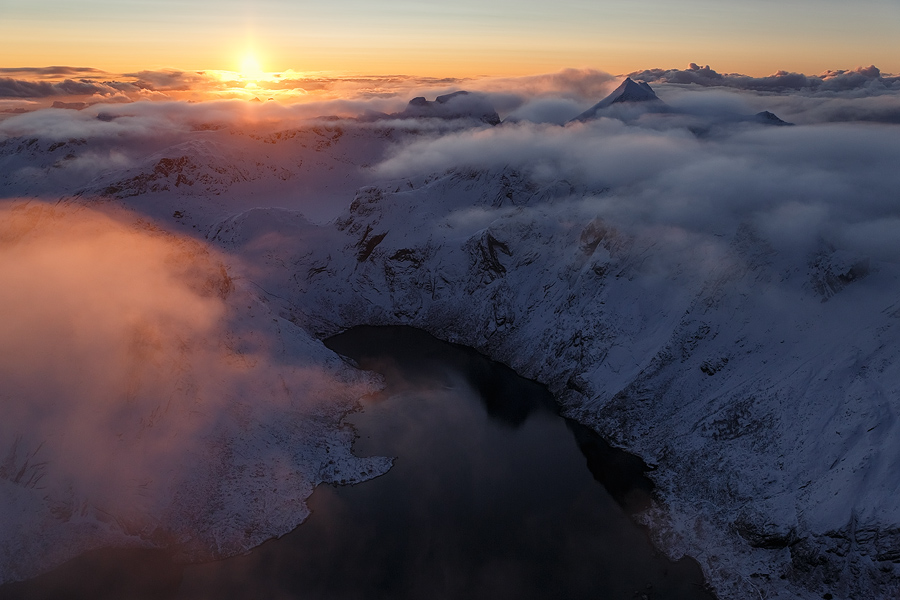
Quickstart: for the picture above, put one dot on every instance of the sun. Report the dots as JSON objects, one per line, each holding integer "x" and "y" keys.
{"x": 250, "y": 69}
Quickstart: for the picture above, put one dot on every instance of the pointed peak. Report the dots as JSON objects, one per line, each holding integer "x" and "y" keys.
{"x": 632, "y": 91}
{"x": 629, "y": 91}
{"x": 769, "y": 118}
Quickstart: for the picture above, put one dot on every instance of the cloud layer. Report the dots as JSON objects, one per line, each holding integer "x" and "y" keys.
{"x": 861, "y": 94}
{"x": 864, "y": 80}
{"x": 802, "y": 186}
{"x": 107, "y": 326}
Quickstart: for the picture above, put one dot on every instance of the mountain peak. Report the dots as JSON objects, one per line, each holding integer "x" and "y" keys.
{"x": 629, "y": 91}
{"x": 457, "y": 105}
{"x": 768, "y": 118}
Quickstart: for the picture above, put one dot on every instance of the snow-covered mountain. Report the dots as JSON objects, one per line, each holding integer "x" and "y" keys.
{"x": 697, "y": 302}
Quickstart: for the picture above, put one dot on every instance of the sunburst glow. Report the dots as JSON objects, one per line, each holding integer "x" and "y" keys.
{"x": 250, "y": 69}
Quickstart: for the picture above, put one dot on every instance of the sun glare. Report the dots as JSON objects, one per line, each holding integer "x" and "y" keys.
{"x": 250, "y": 69}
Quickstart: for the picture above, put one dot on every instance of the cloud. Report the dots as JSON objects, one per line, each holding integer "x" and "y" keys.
{"x": 387, "y": 94}
{"x": 700, "y": 166}
{"x": 548, "y": 98}
{"x": 545, "y": 98}
{"x": 715, "y": 102}
{"x": 168, "y": 80}
{"x": 137, "y": 120}
{"x": 866, "y": 80}
{"x": 288, "y": 86}
{"x": 135, "y": 378}
{"x": 19, "y": 88}
{"x": 583, "y": 85}
{"x": 656, "y": 160}
{"x": 800, "y": 186}
{"x": 605, "y": 152}
{"x": 52, "y": 72}
{"x": 558, "y": 111}
{"x": 143, "y": 120}
{"x": 103, "y": 321}
{"x": 883, "y": 108}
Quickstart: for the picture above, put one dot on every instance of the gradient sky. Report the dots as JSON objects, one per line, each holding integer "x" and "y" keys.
{"x": 452, "y": 38}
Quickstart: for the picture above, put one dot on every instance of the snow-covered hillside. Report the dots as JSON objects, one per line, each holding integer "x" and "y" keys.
{"x": 724, "y": 306}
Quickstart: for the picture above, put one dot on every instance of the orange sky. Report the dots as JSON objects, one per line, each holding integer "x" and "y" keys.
{"x": 464, "y": 38}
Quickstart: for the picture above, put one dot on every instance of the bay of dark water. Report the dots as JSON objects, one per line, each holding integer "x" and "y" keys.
{"x": 492, "y": 495}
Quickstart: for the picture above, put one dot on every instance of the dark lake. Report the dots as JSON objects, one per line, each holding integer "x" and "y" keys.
{"x": 492, "y": 495}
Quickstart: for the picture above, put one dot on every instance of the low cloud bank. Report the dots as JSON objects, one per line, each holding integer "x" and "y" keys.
{"x": 219, "y": 98}
{"x": 95, "y": 86}
{"x": 696, "y": 166}
{"x": 135, "y": 381}
{"x": 309, "y": 94}
{"x": 862, "y": 80}
{"x": 108, "y": 348}
{"x": 18, "y": 88}
{"x": 801, "y": 186}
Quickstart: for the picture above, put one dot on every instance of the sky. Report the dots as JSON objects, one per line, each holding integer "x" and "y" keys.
{"x": 459, "y": 39}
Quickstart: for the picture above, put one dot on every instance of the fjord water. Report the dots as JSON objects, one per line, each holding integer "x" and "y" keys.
{"x": 492, "y": 495}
